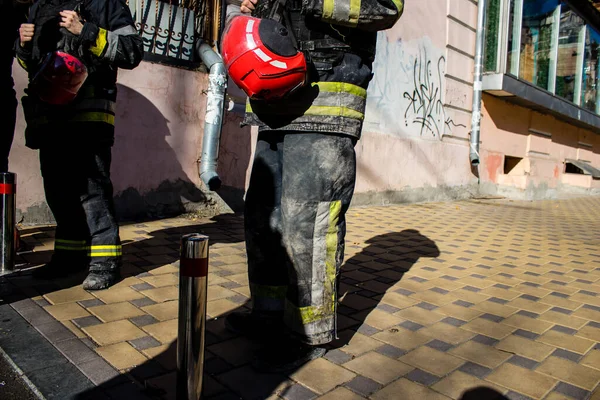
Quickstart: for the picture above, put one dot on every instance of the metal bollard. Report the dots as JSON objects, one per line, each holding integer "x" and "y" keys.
{"x": 193, "y": 271}
{"x": 8, "y": 210}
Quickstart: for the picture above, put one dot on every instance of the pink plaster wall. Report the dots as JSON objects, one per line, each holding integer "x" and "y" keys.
{"x": 159, "y": 128}
{"x": 543, "y": 141}
{"x": 388, "y": 163}
{"x": 424, "y": 62}
{"x": 160, "y": 117}
{"x": 23, "y": 161}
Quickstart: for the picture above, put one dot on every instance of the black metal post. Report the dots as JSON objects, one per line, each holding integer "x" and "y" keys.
{"x": 8, "y": 210}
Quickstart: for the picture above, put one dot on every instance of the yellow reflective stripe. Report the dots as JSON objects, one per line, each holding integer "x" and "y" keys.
{"x": 341, "y": 87}
{"x": 311, "y": 314}
{"x": 335, "y": 111}
{"x": 93, "y": 251}
{"x": 69, "y": 248}
{"x": 331, "y": 240}
{"x": 331, "y": 243}
{"x": 82, "y": 242}
{"x": 354, "y": 12}
{"x": 70, "y": 245}
{"x": 328, "y": 6}
{"x": 100, "y": 44}
{"x": 274, "y": 292}
{"x": 105, "y": 250}
{"x": 94, "y": 117}
{"x": 106, "y": 254}
{"x": 400, "y": 6}
{"x": 22, "y": 63}
{"x": 81, "y": 117}
{"x": 333, "y": 87}
{"x": 105, "y": 247}
{"x": 327, "y": 111}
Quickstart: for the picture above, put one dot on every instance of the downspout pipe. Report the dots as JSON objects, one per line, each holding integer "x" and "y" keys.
{"x": 213, "y": 120}
{"x": 477, "y": 85}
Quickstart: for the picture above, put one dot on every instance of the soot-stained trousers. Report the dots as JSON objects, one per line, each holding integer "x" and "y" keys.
{"x": 304, "y": 170}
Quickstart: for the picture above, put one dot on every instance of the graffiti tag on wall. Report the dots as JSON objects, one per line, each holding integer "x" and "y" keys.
{"x": 407, "y": 94}
{"x": 425, "y": 106}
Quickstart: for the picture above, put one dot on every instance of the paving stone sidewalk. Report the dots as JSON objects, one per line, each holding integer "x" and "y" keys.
{"x": 457, "y": 300}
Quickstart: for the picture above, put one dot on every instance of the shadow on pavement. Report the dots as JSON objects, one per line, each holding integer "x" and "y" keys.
{"x": 482, "y": 393}
{"x": 228, "y": 357}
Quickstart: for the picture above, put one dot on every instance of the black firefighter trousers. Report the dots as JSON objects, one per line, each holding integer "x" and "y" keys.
{"x": 300, "y": 188}
{"x": 79, "y": 193}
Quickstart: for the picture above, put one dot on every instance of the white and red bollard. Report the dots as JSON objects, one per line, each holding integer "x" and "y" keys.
{"x": 193, "y": 271}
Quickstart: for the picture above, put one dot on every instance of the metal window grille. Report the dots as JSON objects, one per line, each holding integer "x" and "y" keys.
{"x": 169, "y": 28}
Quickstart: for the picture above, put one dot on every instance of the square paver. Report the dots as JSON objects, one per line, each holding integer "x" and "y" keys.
{"x": 459, "y": 383}
{"x": 321, "y": 376}
{"x": 378, "y": 367}
{"x": 337, "y": 356}
{"x": 298, "y": 392}
{"x": 422, "y": 377}
{"x": 144, "y": 343}
{"x": 572, "y": 391}
{"x": 115, "y": 311}
{"x": 433, "y": 361}
{"x": 570, "y": 372}
{"x": 522, "y": 380}
{"x": 113, "y": 332}
{"x": 482, "y": 354}
{"x": 476, "y": 370}
{"x": 405, "y": 389}
{"x": 390, "y": 351}
{"x": 363, "y": 386}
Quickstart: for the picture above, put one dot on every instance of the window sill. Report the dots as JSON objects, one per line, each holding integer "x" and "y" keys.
{"x": 527, "y": 95}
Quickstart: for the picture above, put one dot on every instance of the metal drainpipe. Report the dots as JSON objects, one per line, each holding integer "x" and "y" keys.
{"x": 477, "y": 85}
{"x": 213, "y": 120}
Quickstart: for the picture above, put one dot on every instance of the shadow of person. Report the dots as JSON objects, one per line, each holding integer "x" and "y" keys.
{"x": 365, "y": 279}
{"x": 366, "y": 287}
{"x": 148, "y": 177}
{"x": 369, "y": 275}
{"x": 482, "y": 393}
{"x": 155, "y": 160}
{"x": 20, "y": 285}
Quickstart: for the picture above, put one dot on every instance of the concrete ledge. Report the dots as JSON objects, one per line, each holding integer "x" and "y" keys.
{"x": 416, "y": 195}
{"x": 528, "y": 95}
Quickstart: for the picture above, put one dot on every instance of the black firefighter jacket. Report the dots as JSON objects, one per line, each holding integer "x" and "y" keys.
{"x": 107, "y": 42}
{"x": 338, "y": 38}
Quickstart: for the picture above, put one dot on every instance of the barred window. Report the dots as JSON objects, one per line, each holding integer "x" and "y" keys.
{"x": 170, "y": 28}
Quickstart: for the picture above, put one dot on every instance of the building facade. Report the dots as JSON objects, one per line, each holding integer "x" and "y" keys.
{"x": 539, "y": 119}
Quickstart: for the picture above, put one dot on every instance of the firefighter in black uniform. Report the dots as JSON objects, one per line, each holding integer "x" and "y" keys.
{"x": 75, "y": 139}
{"x": 303, "y": 176}
{"x": 14, "y": 13}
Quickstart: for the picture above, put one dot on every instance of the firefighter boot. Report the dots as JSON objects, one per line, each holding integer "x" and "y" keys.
{"x": 98, "y": 280}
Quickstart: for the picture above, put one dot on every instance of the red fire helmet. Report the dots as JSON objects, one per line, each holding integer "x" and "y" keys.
{"x": 59, "y": 78}
{"x": 261, "y": 58}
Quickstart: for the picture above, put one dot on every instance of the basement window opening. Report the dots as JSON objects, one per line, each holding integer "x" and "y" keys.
{"x": 573, "y": 169}
{"x": 582, "y": 168}
{"x": 513, "y": 165}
